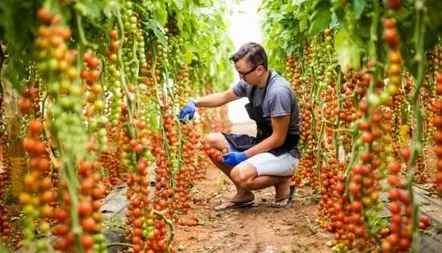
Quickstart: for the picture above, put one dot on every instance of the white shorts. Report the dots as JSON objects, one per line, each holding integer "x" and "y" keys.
{"x": 268, "y": 164}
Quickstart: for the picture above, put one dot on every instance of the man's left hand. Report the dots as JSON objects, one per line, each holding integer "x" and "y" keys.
{"x": 234, "y": 158}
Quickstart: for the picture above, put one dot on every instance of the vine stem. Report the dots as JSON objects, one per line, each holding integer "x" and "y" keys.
{"x": 2, "y": 60}
{"x": 128, "y": 245}
{"x": 417, "y": 143}
{"x": 123, "y": 77}
{"x": 81, "y": 32}
{"x": 170, "y": 224}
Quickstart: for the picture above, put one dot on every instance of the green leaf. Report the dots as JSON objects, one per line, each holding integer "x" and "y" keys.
{"x": 320, "y": 20}
{"x": 358, "y": 8}
{"x": 158, "y": 30}
{"x": 298, "y": 2}
{"x": 3, "y": 249}
{"x": 348, "y": 54}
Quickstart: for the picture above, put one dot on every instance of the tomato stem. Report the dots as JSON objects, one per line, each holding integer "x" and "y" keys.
{"x": 170, "y": 224}
{"x": 416, "y": 144}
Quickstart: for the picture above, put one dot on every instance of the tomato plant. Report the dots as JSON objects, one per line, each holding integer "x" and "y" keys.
{"x": 351, "y": 67}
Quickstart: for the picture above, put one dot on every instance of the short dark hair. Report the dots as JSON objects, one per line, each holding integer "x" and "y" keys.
{"x": 253, "y": 52}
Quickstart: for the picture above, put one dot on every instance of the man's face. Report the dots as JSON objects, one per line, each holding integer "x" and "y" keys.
{"x": 249, "y": 73}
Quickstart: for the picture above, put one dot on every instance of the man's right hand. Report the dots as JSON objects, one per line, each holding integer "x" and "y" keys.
{"x": 188, "y": 110}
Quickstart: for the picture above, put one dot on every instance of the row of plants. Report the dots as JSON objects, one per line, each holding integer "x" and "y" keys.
{"x": 367, "y": 76}
{"x": 97, "y": 86}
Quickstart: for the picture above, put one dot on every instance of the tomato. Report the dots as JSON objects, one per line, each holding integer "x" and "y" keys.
{"x": 394, "y": 167}
{"x": 394, "y": 4}
{"x": 386, "y": 246}
{"x": 87, "y": 241}
{"x": 84, "y": 208}
{"x": 89, "y": 224}
{"x": 44, "y": 15}
{"x": 394, "y": 194}
{"x": 367, "y": 137}
{"x": 61, "y": 215}
{"x": 426, "y": 220}
{"x": 61, "y": 229}
{"x": 43, "y": 164}
{"x": 405, "y": 154}
{"x": 113, "y": 34}
{"x": 395, "y": 207}
{"x": 391, "y": 37}
{"x": 35, "y": 126}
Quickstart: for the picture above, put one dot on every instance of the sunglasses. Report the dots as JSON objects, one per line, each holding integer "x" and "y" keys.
{"x": 243, "y": 75}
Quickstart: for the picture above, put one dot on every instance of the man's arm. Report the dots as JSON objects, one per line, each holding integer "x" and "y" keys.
{"x": 280, "y": 127}
{"x": 217, "y": 99}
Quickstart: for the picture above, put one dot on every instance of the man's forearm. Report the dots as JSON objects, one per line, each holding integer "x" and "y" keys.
{"x": 264, "y": 146}
{"x": 212, "y": 100}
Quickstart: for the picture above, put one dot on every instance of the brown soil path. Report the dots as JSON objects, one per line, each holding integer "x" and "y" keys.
{"x": 255, "y": 229}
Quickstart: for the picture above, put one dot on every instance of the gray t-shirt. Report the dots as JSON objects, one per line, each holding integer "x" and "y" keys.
{"x": 280, "y": 100}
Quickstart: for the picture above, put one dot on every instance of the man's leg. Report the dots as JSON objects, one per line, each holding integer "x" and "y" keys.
{"x": 245, "y": 175}
{"x": 219, "y": 142}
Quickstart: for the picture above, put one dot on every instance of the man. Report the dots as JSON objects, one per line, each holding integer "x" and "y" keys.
{"x": 271, "y": 158}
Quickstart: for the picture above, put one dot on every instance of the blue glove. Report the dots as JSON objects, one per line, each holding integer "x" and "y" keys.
{"x": 188, "y": 110}
{"x": 234, "y": 158}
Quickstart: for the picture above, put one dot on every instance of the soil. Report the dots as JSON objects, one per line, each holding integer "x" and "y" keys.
{"x": 259, "y": 228}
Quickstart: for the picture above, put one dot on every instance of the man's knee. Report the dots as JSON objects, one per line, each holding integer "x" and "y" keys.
{"x": 215, "y": 140}
{"x": 240, "y": 179}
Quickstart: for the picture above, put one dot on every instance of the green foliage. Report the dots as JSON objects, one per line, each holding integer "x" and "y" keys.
{"x": 3, "y": 249}
{"x": 347, "y": 51}
{"x": 204, "y": 44}
{"x": 17, "y": 30}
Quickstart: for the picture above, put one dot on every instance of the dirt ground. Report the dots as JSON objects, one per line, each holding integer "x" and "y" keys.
{"x": 259, "y": 228}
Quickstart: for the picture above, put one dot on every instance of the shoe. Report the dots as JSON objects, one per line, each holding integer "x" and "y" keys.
{"x": 289, "y": 199}
{"x": 234, "y": 205}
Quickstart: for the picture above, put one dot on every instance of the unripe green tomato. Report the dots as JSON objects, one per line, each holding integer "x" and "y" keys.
{"x": 44, "y": 227}
{"x": 392, "y": 89}
{"x": 385, "y": 98}
{"x": 99, "y": 238}
{"x": 53, "y": 89}
{"x": 69, "y": 118}
{"x": 80, "y": 8}
{"x": 28, "y": 232}
{"x": 149, "y": 222}
{"x": 66, "y": 103}
{"x": 374, "y": 99}
{"x": 117, "y": 74}
{"x": 75, "y": 90}
{"x": 52, "y": 65}
{"x": 41, "y": 245}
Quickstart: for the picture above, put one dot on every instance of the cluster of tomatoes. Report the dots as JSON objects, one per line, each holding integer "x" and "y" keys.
{"x": 187, "y": 172}
{"x": 53, "y": 52}
{"x": 149, "y": 79}
{"x": 113, "y": 78}
{"x": 437, "y": 122}
{"x": 139, "y": 215}
{"x": 212, "y": 153}
{"x": 39, "y": 197}
{"x": 91, "y": 73}
{"x": 183, "y": 87}
{"x": 4, "y": 180}
{"x": 292, "y": 67}
{"x": 333, "y": 208}
{"x": 308, "y": 142}
{"x": 91, "y": 192}
{"x": 394, "y": 56}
